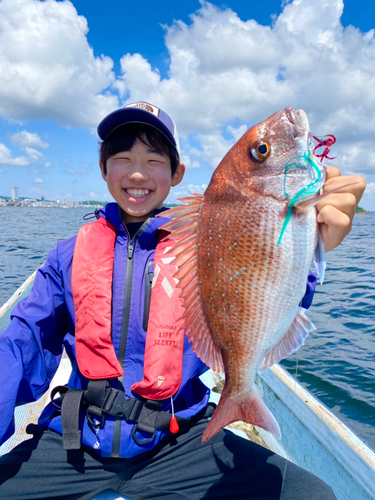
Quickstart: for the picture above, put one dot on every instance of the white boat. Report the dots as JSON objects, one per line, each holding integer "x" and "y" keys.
{"x": 312, "y": 437}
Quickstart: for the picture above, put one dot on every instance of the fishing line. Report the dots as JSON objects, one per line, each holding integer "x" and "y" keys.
{"x": 286, "y": 461}
{"x": 327, "y": 141}
{"x": 310, "y": 189}
{"x": 296, "y": 374}
{"x": 282, "y": 484}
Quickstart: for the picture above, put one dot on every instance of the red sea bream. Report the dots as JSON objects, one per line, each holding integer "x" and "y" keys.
{"x": 243, "y": 252}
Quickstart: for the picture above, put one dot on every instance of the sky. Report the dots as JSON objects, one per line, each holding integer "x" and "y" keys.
{"x": 216, "y": 67}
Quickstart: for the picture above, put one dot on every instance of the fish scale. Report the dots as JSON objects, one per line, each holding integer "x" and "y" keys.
{"x": 241, "y": 289}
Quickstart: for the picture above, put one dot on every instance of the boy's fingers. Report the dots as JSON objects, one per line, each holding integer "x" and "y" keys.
{"x": 336, "y": 211}
{"x": 344, "y": 202}
{"x": 357, "y": 187}
{"x": 332, "y": 172}
{"x": 334, "y": 226}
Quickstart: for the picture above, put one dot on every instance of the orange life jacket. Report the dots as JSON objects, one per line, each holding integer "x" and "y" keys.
{"x": 92, "y": 293}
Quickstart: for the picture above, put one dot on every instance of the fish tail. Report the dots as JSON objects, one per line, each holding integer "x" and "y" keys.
{"x": 248, "y": 408}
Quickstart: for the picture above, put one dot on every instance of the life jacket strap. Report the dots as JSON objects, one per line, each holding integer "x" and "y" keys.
{"x": 70, "y": 419}
{"x": 100, "y": 400}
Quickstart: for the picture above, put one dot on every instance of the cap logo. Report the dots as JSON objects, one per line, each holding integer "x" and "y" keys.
{"x": 144, "y": 105}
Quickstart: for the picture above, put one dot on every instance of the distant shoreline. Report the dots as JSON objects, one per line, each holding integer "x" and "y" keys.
{"x": 360, "y": 210}
{"x": 6, "y": 201}
{"x": 67, "y": 204}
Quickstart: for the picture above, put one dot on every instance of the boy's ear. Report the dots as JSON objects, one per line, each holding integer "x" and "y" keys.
{"x": 104, "y": 175}
{"x": 178, "y": 175}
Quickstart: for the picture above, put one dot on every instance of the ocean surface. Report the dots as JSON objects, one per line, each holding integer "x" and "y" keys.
{"x": 337, "y": 364}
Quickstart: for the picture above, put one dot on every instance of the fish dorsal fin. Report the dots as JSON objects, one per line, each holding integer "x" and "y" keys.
{"x": 183, "y": 231}
{"x": 293, "y": 339}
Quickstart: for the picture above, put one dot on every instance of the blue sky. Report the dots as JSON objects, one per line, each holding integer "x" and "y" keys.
{"x": 216, "y": 67}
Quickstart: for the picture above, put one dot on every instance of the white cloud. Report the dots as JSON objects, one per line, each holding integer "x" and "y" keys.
{"x": 357, "y": 157}
{"x": 238, "y": 132}
{"x": 97, "y": 196}
{"x": 47, "y": 68}
{"x": 188, "y": 189}
{"x": 189, "y": 163}
{"x": 224, "y": 74}
{"x": 6, "y": 158}
{"x": 134, "y": 67}
{"x": 47, "y": 164}
{"x": 224, "y": 69}
{"x": 38, "y": 180}
{"x": 213, "y": 148}
{"x": 28, "y": 139}
{"x": 81, "y": 171}
{"x": 370, "y": 188}
{"x": 39, "y": 191}
{"x": 34, "y": 154}
{"x": 28, "y": 142}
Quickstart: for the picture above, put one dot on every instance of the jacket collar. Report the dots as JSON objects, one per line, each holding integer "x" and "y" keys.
{"x": 111, "y": 213}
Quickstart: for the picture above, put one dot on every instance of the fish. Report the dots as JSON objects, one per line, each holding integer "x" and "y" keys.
{"x": 242, "y": 252}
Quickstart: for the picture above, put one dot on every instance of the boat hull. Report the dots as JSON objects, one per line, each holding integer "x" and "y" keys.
{"x": 312, "y": 437}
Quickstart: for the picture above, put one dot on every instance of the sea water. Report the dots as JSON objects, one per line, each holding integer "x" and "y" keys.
{"x": 337, "y": 363}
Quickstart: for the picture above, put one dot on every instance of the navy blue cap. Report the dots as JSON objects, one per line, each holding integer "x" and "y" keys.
{"x": 140, "y": 112}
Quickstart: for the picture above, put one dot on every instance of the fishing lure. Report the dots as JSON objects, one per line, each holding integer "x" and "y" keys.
{"x": 310, "y": 190}
{"x": 314, "y": 187}
{"x": 326, "y": 143}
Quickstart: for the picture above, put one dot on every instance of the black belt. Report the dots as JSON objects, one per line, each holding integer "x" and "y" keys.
{"x": 102, "y": 400}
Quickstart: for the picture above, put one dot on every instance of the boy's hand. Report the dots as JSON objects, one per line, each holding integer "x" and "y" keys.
{"x": 336, "y": 212}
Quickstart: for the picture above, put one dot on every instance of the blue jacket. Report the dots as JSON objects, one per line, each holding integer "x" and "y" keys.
{"x": 43, "y": 324}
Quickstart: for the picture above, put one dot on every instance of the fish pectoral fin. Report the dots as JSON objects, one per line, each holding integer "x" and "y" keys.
{"x": 293, "y": 339}
{"x": 183, "y": 231}
{"x": 320, "y": 258}
{"x": 249, "y": 408}
{"x": 203, "y": 344}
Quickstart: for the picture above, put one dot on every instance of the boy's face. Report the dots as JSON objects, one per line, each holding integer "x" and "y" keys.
{"x": 140, "y": 180}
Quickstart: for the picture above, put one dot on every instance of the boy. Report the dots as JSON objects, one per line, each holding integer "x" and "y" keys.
{"x": 93, "y": 298}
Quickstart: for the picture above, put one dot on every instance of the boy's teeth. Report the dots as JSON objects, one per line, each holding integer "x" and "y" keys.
{"x": 137, "y": 193}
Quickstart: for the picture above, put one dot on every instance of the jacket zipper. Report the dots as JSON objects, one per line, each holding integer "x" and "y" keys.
{"x": 125, "y": 328}
{"x": 149, "y": 276}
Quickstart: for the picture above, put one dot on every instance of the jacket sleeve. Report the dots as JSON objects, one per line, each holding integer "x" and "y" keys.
{"x": 32, "y": 344}
{"x": 310, "y": 290}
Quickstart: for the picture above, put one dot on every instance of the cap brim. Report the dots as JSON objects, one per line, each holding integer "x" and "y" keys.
{"x": 123, "y": 116}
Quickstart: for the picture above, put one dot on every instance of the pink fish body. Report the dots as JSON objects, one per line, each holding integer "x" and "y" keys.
{"x": 241, "y": 288}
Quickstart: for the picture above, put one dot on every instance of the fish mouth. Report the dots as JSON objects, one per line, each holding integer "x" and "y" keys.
{"x": 298, "y": 120}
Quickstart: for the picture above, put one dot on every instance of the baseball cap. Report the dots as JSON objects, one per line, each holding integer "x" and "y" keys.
{"x": 140, "y": 112}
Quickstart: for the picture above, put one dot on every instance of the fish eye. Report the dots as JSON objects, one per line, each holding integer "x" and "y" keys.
{"x": 261, "y": 150}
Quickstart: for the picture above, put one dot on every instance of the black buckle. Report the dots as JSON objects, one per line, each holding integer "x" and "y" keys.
{"x": 118, "y": 404}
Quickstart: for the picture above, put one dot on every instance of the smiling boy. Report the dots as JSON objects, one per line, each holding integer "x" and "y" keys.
{"x": 140, "y": 177}
{"x": 93, "y": 297}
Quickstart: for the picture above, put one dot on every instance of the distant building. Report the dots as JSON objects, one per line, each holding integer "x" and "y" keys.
{"x": 71, "y": 204}
{"x": 14, "y": 193}
{"x": 28, "y": 202}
